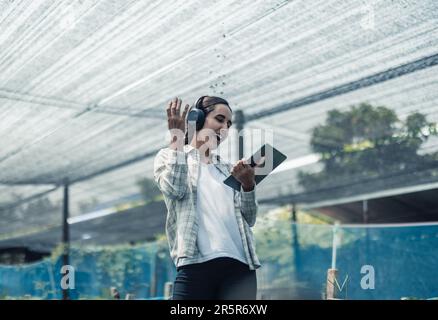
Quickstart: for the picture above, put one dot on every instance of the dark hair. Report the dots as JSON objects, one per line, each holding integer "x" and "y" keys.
{"x": 207, "y": 104}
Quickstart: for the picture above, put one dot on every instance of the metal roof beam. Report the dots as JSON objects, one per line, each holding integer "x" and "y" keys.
{"x": 368, "y": 81}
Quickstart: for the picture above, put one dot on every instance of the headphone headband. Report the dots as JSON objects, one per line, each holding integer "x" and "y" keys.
{"x": 198, "y": 112}
{"x": 198, "y": 103}
{"x": 213, "y": 101}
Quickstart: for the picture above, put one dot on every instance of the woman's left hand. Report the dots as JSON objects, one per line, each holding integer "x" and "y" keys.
{"x": 244, "y": 173}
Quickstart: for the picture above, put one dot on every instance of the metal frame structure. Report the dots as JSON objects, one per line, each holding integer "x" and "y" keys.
{"x": 254, "y": 17}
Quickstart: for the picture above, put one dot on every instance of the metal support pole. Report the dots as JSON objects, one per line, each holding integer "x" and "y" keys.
{"x": 365, "y": 213}
{"x": 154, "y": 276}
{"x": 294, "y": 213}
{"x": 239, "y": 120}
{"x": 295, "y": 242}
{"x": 65, "y": 235}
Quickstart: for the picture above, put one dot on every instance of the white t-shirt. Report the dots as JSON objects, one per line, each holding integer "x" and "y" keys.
{"x": 218, "y": 233}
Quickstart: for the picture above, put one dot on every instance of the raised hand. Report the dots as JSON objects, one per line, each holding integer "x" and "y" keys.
{"x": 175, "y": 119}
{"x": 176, "y": 122}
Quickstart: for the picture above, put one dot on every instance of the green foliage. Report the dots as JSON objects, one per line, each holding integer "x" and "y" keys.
{"x": 368, "y": 141}
{"x": 274, "y": 229}
{"x": 38, "y": 206}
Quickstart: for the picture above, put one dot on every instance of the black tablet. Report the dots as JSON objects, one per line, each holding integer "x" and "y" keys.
{"x": 269, "y": 157}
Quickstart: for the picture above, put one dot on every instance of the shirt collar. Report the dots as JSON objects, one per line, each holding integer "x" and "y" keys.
{"x": 189, "y": 149}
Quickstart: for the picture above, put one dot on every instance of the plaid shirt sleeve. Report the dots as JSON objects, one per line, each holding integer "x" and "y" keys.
{"x": 248, "y": 203}
{"x": 170, "y": 173}
{"x": 248, "y": 206}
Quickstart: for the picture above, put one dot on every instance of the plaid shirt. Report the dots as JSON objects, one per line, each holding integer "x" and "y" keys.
{"x": 176, "y": 174}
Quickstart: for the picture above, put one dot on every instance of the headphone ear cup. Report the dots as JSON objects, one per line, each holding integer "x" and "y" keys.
{"x": 198, "y": 116}
{"x": 201, "y": 120}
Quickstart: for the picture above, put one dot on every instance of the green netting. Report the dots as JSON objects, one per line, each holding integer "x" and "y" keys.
{"x": 404, "y": 260}
{"x": 140, "y": 270}
{"x": 295, "y": 259}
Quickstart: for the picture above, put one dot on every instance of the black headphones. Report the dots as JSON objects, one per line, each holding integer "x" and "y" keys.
{"x": 197, "y": 114}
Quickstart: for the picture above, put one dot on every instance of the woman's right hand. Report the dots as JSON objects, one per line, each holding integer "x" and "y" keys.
{"x": 174, "y": 119}
{"x": 176, "y": 122}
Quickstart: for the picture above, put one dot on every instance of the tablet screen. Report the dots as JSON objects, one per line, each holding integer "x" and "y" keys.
{"x": 268, "y": 157}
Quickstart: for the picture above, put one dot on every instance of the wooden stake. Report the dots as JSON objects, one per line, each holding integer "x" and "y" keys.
{"x": 331, "y": 284}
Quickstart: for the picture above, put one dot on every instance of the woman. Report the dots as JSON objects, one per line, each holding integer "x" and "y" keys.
{"x": 208, "y": 223}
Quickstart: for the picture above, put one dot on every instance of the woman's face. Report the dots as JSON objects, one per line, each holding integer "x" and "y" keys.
{"x": 216, "y": 125}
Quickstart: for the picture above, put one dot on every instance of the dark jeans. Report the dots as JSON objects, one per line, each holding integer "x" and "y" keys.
{"x": 217, "y": 279}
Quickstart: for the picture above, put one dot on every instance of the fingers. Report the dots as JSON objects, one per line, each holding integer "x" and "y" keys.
{"x": 174, "y": 119}
{"x": 186, "y": 109}
{"x": 178, "y": 107}
{"x": 169, "y": 105}
{"x": 236, "y": 167}
{"x": 244, "y": 173}
{"x": 174, "y": 107}
{"x": 240, "y": 165}
{"x": 243, "y": 163}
